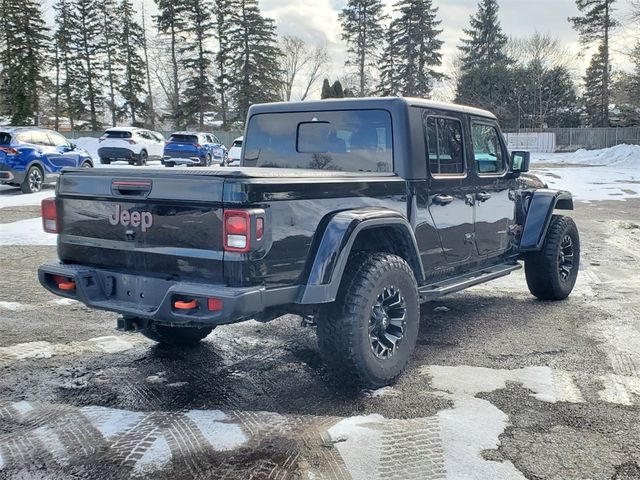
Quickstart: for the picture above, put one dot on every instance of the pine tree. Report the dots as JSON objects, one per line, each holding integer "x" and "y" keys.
{"x": 225, "y": 12}
{"x": 24, "y": 55}
{"x": 327, "y": 91}
{"x": 171, "y": 21}
{"x": 362, "y": 29}
{"x": 67, "y": 86}
{"x": 486, "y": 79}
{"x": 413, "y": 49}
{"x": 132, "y": 38}
{"x": 110, "y": 33}
{"x": 388, "y": 84}
{"x": 148, "y": 104}
{"x": 198, "y": 59}
{"x": 594, "y": 27}
{"x": 87, "y": 45}
{"x": 485, "y": 45}
{"x": 256, "y": 74}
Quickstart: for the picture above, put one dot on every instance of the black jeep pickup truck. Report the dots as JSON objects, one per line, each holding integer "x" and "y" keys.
{"x": 353, "y": 212}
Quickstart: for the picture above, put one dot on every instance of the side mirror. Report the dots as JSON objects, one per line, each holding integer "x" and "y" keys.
{"x": 520, "y": 161}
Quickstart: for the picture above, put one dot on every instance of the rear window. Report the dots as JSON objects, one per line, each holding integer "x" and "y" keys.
{"x": 117, "y": 134}
{"x": 353, "y": 140}
{"x": 5, "y": 138}
{"x": 184, "y": 138}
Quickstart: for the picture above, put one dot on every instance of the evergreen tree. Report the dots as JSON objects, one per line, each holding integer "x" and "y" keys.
{"x": 486, "y": 79}
{"x": 87, "y": 46}
{"x": 413, "y": 49}
{"x": 197, "y": 62}
{"x": 171, "y": 22}
{"x": 485, "y": 45}
{"x": 362, "y": 30}
{"x": 225, "y": 13}
{"x": 148, "y": 104}
{"x": 132, "y": 38}
{"x": 66, "y": 65}
{"x": 389, "y": 84}
{"x": 256, "y": 74}
{"x": 327, "y": 91}
{"x": 24, "y": 54}
{"x": 594, "y": 27}
{"x": 111, "y": 46}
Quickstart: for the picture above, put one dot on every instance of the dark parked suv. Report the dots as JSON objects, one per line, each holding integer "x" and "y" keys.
{"x": 353, "y": 212}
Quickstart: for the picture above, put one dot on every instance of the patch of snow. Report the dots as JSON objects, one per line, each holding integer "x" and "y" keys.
{"x": 22, "y": 407}
{"x": 356, "y": 439}
{"x": 474, "y": 425}
{"x": 1, "y": 462}
{"x": 23, "y": 351}
{"x": 14, "y": 306}
{"x": 463, "y": 380}
{"x": 111, "y": 422}
{"x": 109, "y": 344}
{"x": 155, "y": 379}
{"x": 26, "y": 232}
{"x": 65, "y": 302}
{"x": 221, "y": 435}
{"x": 52, "y": 443}
{"x": 619, "y": 389}
{"x": 155, "y": 458}
{"x": 441, "y": 309}
{"x": 13, "y": 197}
{"x": 380, "y": 392}
{"x": 177, "y": 384}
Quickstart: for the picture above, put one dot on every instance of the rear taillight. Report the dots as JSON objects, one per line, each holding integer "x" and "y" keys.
{"x": 49, "y": 215}
{"x": 259, "y": 228}
{"x": 237, "y": 225}
{"x": 9, "y": 150}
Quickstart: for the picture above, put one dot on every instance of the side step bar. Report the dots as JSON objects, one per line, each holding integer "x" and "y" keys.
{"x": 455, "y": 284}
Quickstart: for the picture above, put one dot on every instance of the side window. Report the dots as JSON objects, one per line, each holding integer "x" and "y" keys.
{"x": 40, "y": 138}
{"x": 57, "y": 140}
{"x": 445, "y": 146}
{"x": 214, "y": 139}
{"x": 209, "y": 138}
{"x": 487, "y": 149}
{"x": 144, "y": 134}
{"x": 24, "y": 137}
{"x": 156, "y": 136}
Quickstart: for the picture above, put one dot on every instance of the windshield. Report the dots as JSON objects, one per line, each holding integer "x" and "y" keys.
{"x": 184, "y": 138}
{"x": 350, "y": 140}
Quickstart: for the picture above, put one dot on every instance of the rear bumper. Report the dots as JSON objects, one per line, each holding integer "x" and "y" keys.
{"x": 183, "y": 160}
{"x": 154, "y": 298}
{"x": 10, "y": 175}
{"x": 116, "y": 153}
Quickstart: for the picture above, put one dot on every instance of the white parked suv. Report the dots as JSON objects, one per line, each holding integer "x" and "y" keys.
{"x": 131, "y": 144}
{"x": 235, "y": 152}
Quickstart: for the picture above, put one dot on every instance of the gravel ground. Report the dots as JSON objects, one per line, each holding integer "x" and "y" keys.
{"x": 501, "y": 385}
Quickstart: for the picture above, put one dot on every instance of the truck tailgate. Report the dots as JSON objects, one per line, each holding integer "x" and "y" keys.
{"x": 149, "y": 222}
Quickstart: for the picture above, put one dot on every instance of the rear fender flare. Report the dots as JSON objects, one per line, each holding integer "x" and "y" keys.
{"x": 541, "y": 206}
{"x": 335, "y": 245}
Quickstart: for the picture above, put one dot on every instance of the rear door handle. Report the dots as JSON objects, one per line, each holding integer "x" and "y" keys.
{"x": 483, "y": 196}
{"x": 442, "y": 199}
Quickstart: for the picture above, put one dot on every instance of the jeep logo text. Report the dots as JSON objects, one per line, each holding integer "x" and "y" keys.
{"x": 144, "y": 220}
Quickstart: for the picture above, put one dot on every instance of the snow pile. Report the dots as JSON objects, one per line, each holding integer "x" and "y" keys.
{"x": 90, "y": 144}
{"x": 620, "y": 156}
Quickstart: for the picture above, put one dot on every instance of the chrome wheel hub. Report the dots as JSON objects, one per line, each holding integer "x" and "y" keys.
{"x": 387, "y": 322}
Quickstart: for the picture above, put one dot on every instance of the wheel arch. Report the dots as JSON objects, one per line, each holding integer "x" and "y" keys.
{"x": 539, "y": 213}
{"x": 346, "y": 232}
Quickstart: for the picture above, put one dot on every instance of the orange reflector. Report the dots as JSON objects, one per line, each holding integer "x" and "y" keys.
{"x": 214, "y": 304}
{"x": 67, "y": 285}
{"x": 184, "y": 305}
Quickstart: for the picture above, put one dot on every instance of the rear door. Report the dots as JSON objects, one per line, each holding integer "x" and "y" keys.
{"x": 65, "y": 155}
{"x": 494, "y": 204}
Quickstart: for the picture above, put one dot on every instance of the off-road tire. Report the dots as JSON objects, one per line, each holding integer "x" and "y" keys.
{"x": 175, "y": 336}
{"x": 208, "y": 161}
{"x": 343, "y": 326}
{"x": 30, "y": 183}
{"x": 542, "y": 269}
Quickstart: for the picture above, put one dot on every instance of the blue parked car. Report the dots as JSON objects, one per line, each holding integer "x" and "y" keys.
{"x": 32, "y": 156}
{"x": 194, "y": 149}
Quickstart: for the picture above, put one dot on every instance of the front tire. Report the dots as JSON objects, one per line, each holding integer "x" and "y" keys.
{"x": 175, "y": 336}
{"x": 87, "y": 165}
{"x": 33, "y": 180}
{"x": 552, "y": 272}
{"x": 368, "y": 334}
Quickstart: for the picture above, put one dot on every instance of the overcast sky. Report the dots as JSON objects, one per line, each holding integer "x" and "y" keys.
{"x": 317, "y": 22}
